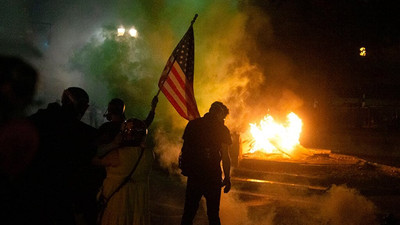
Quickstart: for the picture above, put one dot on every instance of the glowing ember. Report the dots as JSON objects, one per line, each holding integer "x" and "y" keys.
{"x": 270, "y": 137}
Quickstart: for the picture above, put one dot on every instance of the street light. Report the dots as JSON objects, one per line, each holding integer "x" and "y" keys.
{"x": 120, "y": 31}
{"x": 363, "y": 51}
{"x": 132, "y": 32}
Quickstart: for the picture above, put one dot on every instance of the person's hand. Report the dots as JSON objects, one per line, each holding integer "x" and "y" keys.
{"x": 154, "y": 102}
{"x": 227, "y": 184}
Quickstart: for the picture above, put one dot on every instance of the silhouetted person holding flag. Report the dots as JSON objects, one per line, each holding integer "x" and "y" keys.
{"x": 122, "y": 151}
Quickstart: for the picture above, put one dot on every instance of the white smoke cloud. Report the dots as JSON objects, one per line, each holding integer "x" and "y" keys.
{"x": 339, "y": 205}
{"x": 72, "y": 26}
{"x": 344, "y": 205}
{"x": 167, "y": 151}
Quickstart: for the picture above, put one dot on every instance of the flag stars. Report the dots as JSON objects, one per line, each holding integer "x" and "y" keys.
{"x": 182, "y": 58}
{"x": 184, "y": 55}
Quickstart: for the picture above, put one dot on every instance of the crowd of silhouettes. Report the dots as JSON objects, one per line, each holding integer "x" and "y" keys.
{"x": 52, "y": 165}
{"x": 57, "y": 170}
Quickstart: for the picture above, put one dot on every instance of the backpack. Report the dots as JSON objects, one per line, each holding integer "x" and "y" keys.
{"x": 186, "y": 161}
{"x": 198, "y": 156}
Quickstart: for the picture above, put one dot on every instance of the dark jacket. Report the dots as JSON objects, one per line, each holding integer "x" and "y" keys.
{"x": 59, "y": 174}
{"x": 200, "y": 155}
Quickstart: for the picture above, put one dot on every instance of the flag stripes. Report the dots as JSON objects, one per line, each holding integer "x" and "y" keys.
{"x": 177, "y": 89}
{"x": 176, "y": 81}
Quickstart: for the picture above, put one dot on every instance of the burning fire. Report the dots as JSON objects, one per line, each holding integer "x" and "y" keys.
{"x": 272, "y": 138}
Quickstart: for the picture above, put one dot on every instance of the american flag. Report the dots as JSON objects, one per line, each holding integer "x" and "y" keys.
{"x": 176, "y": 80}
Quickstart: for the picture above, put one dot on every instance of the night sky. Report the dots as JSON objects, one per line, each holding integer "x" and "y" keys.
{"x": 324, "y": 37}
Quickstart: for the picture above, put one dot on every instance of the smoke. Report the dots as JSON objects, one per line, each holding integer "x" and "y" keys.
{"x": 167, "y": 151}
{"x": 235, "y": 60}
{"x": 339, "y": 205}
{"x": 69, "y": 26}
{"x": 233, "y": 212}
{"x": 343, "y": 205}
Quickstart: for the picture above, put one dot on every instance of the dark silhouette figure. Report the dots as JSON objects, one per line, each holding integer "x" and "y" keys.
{"x": 18, "y": 137}
{"x": 122, "y": 151}
{"x": 115, "y": 115}
{"x": 206, "y": 142}
{"x": 54, "y": 186}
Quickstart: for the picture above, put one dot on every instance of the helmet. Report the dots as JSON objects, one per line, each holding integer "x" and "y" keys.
{"x": 134, "y": 132}
{"x": 116, "y": 107}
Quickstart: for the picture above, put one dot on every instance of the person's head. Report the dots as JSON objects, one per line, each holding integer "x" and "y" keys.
{"x": 219, "y": 110}
{"x": 133, "y": 131}
{"x": 17, "y": 85}
{"x": 115, "y": 110}
{"x": 75, "y": 101}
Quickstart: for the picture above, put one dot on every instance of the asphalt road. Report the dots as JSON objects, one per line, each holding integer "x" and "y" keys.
{"x": 328, "y": 189}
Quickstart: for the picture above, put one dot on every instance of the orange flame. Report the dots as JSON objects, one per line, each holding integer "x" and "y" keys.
{"x": 270, "y": 137}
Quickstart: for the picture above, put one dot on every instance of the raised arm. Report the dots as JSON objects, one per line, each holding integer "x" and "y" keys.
{"x": 150, "y": 116}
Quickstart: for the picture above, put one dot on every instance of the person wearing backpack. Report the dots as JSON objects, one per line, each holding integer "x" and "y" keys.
{"x": 206, "y": 143}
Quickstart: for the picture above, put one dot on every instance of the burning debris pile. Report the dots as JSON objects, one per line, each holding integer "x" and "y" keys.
{"x": 271, "y": 140}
